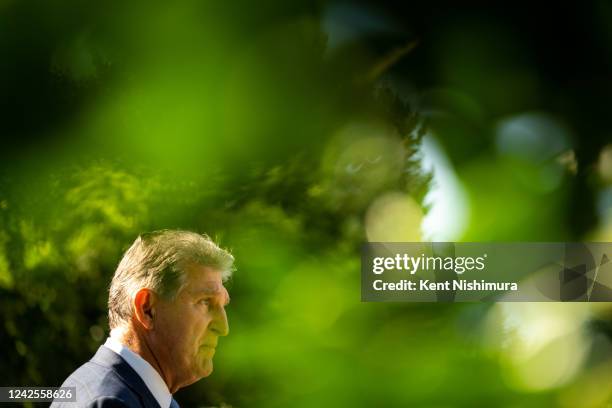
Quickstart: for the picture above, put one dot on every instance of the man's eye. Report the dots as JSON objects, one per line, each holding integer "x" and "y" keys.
{"x": 205, "y": 302}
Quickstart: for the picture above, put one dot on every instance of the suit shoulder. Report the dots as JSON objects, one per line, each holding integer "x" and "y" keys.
{"x": 96, "y": 384}
{"x": 100, "y": 402}
{"x": 108, "y": 402}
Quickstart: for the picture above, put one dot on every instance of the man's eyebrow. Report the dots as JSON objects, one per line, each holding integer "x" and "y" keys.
{"x": 209, "y": 290}
{"x": 205, "y": 291}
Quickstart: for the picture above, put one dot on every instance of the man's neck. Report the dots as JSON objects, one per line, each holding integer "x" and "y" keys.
{"x": 130, "y": 339}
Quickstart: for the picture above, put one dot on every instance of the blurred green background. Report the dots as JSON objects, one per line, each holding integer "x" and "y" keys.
{"x": 292, "y": 132}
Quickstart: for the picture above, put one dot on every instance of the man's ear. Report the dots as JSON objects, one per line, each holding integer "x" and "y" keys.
{"x": 145, "y": 302}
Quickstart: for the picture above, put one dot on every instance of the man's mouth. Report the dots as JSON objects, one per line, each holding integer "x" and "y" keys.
{"x": 209, "y": 346}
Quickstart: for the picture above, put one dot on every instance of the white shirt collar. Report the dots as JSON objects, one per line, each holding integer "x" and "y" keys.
{"x": 149, "y": 375}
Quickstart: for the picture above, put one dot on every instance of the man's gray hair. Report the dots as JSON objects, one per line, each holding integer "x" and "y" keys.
{"x": 156, "y": 260}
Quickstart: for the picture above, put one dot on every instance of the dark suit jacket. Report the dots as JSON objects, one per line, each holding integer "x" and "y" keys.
{"x": 108, "y": 381}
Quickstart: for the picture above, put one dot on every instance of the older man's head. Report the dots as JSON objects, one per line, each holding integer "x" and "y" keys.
{"x": 167, "y": 302}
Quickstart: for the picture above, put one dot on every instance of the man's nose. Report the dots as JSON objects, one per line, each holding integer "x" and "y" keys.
{"x": 220, "y": 324}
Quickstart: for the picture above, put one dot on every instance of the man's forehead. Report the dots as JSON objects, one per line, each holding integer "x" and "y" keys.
{"x": 204, "y": 279}
{"x": 198, "y": 272}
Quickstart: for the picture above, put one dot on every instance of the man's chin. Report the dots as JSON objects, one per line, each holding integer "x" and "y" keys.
{"x": 206, "y": 368}
{"x": 200, "y": 372}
